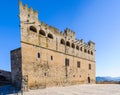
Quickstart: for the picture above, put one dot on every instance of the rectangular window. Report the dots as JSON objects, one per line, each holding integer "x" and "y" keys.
{"x": 45, "y": 74}
{"x": 89, "y": 66}
{"x": 51, "y": 57}
{"x": 38, "y": 55}
{"x": 78, "y": 64}
{"x": 66, "y": 62}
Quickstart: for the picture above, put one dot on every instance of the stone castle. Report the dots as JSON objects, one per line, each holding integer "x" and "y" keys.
{"x": 48, "y": 57}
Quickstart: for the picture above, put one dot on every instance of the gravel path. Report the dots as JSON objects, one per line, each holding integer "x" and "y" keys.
{"x": 94, "y": 89}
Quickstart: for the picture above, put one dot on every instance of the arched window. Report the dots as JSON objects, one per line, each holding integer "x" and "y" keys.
{"x": 91, "y": 53}
{"x": 85, "y": 50}
{"x": 73, "y": 45}
{"x": 62, "y": 41}
{"x": 42, "y": 32}
{"x": 81, "y": 48}
{"x": 88, "y": 52}
{"x": 68, "y": 43}
{"x": 32, "y": 28}
{"x": 77, "y": 47}
{"x": 50, "y": 36}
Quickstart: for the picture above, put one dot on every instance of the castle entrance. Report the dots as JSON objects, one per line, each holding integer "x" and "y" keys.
{"x": 88, "y": 79}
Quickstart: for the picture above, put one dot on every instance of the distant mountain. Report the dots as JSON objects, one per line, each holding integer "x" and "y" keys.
{"x": 107, "y": 79}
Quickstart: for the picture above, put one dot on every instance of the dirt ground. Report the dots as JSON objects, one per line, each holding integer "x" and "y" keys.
{"x": 87, "y": 89}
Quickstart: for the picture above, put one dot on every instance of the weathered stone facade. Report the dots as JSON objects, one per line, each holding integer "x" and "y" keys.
{"x": 48, "y": 57}
{"x": 16, "y": 65}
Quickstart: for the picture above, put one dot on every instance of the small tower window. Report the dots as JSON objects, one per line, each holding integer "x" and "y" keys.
{"x": 51, "y": 57}
{"x": 89, "y": 66}
{"x": 38, "y": 55}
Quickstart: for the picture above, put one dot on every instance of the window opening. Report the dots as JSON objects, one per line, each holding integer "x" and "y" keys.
{"x": 66, "y": 62}
{"x": 78, "y": 64}
{"x": 32, "y": 28}
{"x": 38, "y": 55}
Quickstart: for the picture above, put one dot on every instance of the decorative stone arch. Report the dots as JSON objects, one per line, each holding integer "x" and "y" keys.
{"x": 33, "y": 29}
{"x": 68, "y": 43}
{"x": 50, "y": 36}
{"x": 73, "y": 45}
{"x": 62, "y": 41}
{"x": 42, "y": 32}
{"x": 77, "y": 47}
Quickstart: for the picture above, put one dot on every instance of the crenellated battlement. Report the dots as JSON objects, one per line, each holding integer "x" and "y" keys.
{"x": 69, "y": 33}
{"x": 45, "y": 31}
{"x": 27, "y": 13}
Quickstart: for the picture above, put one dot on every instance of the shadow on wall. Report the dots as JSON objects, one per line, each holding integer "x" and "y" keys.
{"x": 9, "y": 89}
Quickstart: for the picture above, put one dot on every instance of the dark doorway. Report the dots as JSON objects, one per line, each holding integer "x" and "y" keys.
{"x": 88, "y": 79}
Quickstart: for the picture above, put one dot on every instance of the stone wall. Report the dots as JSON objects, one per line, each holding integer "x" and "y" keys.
{"x": 47, "y": 71}
{"x": 16, "y": 65}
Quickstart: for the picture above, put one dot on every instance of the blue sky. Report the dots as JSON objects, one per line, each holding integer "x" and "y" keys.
{"x": 96, "y": 20}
